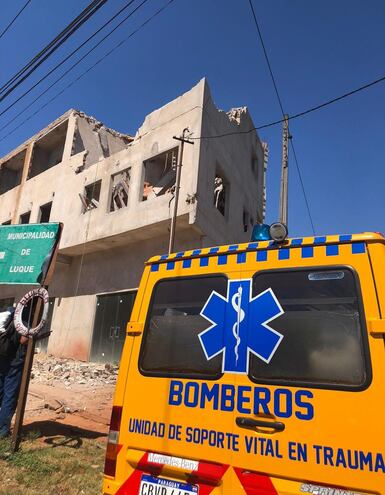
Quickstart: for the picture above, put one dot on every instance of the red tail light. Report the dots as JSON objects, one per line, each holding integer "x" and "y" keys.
{"x": 113, "y": 447}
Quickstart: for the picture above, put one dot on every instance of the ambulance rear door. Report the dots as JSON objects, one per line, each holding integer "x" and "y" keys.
{"x": 311, "y": 402}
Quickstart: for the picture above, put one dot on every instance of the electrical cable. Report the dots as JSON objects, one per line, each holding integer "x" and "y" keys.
{"x": 302, "y": 185}
{"x": 156, "y": 13}
{"x": 65, "y": 337}
{"x": 7, "y": 91}
{"x": 266, "y": 58}
{"x": 68, "y": 57}
{"x": 297, "y": 115}
{"x": 283, "y": 114}
{"x": 47, "y": 47}
{"x": 14, "y": 19}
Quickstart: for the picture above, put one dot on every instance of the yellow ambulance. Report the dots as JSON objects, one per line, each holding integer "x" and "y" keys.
{"x": 254, "y": 369}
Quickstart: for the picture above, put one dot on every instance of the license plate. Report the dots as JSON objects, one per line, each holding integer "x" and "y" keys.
{"x": 160, "y": 486}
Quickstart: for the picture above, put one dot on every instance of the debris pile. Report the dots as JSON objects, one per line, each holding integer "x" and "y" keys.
{"x": 52, "y": 371}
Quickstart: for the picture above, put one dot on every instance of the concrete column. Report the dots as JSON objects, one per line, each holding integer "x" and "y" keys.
{"x": 24, "y": 177}
{"x": 69, "y": 138}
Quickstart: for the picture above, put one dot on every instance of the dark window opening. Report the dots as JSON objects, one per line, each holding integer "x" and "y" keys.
{"x": 171, "y": 346}
{"x": 321, "y": 325}
{"x": 45, "y": 213}
{"x": 24, "y": 218}
{"x": 91, "y": 195}
{"x": 159, "y": 174}
{"x": 8, "y": 222}
{"x": 11, "y": 172}
{"x": 221, "y": 191}
{"x": 48, "y": 150}
{"x": 119, "y": 190}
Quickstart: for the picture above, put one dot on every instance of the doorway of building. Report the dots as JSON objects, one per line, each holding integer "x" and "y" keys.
{"x": 113, "y": 312}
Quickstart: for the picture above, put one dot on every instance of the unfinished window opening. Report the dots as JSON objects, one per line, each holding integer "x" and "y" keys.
{"x": 246, "y": 220}
{"x": 48, "y": 151}
{"x": 221, "y": 191}
{"x": 24, "y": 218}
{"x": 11, "y": 172}
{"x": 45, "y": 212}
{"x": 8, "y": 222}
{"x": 159, "y": 174}
{"x": 119, "y": 190}
{"x": 91, "y": 195}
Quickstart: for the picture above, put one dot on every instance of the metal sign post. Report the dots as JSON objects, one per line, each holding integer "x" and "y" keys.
{"x": 28, "y": 256}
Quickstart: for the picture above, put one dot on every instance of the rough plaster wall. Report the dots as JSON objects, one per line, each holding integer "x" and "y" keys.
{"x": 90, "y": 141}
{"x": 77, "y": 145}
{"x": 115, "y": 143}
{"x": 108, "y": 271}
{"x": 72, "y": 324}
{"x": 232, "y": 156}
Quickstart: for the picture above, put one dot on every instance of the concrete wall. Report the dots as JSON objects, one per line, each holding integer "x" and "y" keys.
{"x": 232, "y": 157}
{"x": 104, "y": 251}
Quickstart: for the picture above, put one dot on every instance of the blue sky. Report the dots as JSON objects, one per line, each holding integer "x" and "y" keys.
{"x": 318, "y": 50}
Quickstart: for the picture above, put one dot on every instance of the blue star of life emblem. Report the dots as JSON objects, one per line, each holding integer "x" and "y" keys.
{"x": 239, "y": 325}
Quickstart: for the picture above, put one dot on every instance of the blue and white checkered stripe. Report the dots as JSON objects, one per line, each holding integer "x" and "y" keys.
{"x": 223, "y": 254}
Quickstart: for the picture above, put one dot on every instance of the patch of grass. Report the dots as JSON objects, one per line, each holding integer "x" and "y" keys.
{"x": 65, "y": 466}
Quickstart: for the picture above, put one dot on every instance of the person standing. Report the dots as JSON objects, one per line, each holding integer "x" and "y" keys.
{"x": 12, "y": 355}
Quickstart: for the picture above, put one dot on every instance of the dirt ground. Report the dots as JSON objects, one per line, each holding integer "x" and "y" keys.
{"x": 64, "y": 434}
{"x": 81, "y": 406}
{"x": 84, "y": 400}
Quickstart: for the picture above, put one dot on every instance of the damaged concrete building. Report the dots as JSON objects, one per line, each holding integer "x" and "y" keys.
{"x": 114, "y": 194}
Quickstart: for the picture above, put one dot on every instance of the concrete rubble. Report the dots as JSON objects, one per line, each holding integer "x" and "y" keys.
{"x": 53, "y": 371}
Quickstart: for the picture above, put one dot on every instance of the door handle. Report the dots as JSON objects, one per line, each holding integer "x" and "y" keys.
{"x": 112, "y": 329}
{"x": 117, "y": 332}
{"x": 251, "y": 423}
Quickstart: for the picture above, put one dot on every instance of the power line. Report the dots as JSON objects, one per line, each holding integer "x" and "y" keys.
{"x": 14, "y": 19}
{"x": 47, "y": 47}
{"x": 68, "y": 57}
{"x": 300, "y": 114}
{"x": 155, "y": 14}
{"x": 47, "y": 52}
{"x": 302, "y": 185}
{"x": 283, "y": 112}
{"x": 266, "y": 57}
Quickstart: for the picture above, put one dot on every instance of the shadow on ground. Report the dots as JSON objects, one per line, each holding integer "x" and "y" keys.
{"x": 58, "y": 434}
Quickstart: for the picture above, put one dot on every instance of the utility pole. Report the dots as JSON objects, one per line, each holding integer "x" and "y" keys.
{"x": 183, "y": 139}
{"x": 283, "y": 199}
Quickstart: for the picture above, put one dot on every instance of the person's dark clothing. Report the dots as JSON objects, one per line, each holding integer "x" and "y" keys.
{"x": 11, "y": 368}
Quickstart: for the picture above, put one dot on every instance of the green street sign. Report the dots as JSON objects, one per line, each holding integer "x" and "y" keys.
{"x": 26, "y": 252}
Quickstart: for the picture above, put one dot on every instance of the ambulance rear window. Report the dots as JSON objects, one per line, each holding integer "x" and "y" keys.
{"x": 171, "y": 345}
{"x": 323, "y": 342}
